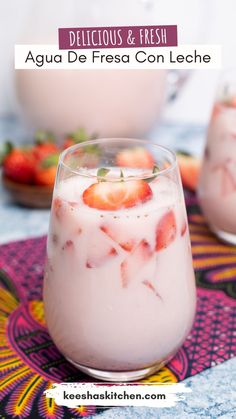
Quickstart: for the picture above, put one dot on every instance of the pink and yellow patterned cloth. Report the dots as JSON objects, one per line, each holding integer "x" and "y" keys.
{"x": 30, "y": 362}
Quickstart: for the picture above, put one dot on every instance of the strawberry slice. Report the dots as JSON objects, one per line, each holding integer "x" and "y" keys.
{"x": 183, "y": 228}
{"x": 57, "y": 207}
{"x": 228, "y": 185}
{"x": 228, "y": 181}
{"x": 63, "y": 212}
{"x": 69, "y": 244}
{"x": 119, "y": 236}
{"x": 112, "y": 196}
{"x": 55, "y": 239}
{"x": 166, "y": 231}
{"x": 151, "y": 287}
{"x": 134, "y": 262}
{"x": 137, "y": 157}
{"x": 99, "y": 255}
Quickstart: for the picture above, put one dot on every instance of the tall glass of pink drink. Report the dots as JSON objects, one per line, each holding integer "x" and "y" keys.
{"x": 119, "y": 289}
{"x": 217, "y": 185}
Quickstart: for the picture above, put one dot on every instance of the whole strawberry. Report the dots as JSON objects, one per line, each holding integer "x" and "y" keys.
{"x": 19, "y": 165}
{"x": 78, "y": 136}
{"x": 44, "y": 145}
{"x": 45, "y": 172}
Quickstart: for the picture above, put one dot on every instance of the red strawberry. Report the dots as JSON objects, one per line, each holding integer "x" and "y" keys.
{"x": 45, "y": 177}
{"x": 134, "y": 262}
{"x": 41, "y": 151}
{"x": 137, "y": 157}
{"x": 44, "y": 145}
{"x": 68, "y": 143}
{"x": 45, "y": 173}
{"x": 119, "y": 237}
{"x": 189, "y": 170}
{"x": 98, "y": 255}
{"x": 166, "y": 231}
{"x": 19, "y": 166}
{"x": 111, "y": 196}
{"x": 78, "y": 136}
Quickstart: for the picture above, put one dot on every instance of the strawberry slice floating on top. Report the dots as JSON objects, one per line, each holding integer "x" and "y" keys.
{"x": 137, "y": 157}
{"x": 166, "y": 231}
{"x": 112, "y": 196}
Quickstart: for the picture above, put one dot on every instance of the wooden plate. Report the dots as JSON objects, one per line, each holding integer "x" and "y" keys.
{"x": 28, "y": 195}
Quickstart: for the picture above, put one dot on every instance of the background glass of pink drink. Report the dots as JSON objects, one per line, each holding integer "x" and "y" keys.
{"x": 217, "y": 185}
{"x": 119, "y": 288}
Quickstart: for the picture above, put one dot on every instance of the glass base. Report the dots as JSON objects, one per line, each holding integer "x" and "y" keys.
{"x": 121, "y": 376}
{"x": 228, "y": 238}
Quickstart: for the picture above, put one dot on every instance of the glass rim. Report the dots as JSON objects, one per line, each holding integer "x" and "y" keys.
{"x": 172, "y": 166}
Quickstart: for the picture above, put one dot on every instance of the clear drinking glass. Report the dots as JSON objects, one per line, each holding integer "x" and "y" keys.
{"x": 119, "y": 289}
{"x": 217, "y": 185}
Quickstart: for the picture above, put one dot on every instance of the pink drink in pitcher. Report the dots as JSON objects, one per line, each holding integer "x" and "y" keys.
{"x": 217, "y": 186}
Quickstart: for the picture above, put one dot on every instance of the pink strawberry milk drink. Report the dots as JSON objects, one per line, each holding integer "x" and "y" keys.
{"x": 119, "y": 288}
{"x": 217, "y": 186}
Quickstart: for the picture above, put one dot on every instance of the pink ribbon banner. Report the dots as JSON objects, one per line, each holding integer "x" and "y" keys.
{"x": 118, "y": 37}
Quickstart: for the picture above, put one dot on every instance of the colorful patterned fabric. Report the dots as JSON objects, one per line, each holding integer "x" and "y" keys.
{"x": 30, "y": 362}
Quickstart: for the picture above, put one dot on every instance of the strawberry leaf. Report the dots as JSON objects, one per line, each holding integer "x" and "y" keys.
{"x": 155, "y": 170}
{"x": 50, "y": 161}
{"x": 183, "y": 153}
{"x": 79, "y": 136}
{"x": 102, "y": 172}
{"x": 42, "y": 137}
{"x": 92, "y": 149}
{"x": 6, "y": 149}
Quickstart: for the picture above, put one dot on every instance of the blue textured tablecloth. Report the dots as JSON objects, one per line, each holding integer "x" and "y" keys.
{"x": 214, "y": 390}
